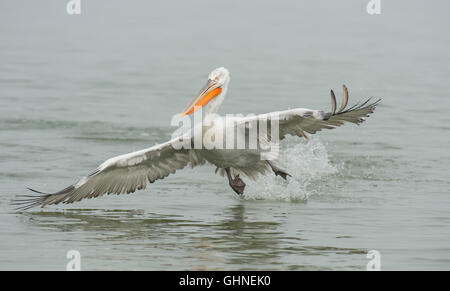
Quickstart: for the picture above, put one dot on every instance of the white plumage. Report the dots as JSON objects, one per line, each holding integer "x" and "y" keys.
{"x": 130, "y": 172}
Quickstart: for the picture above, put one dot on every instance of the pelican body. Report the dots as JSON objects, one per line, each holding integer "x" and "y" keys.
{"x": 133, "y": 171}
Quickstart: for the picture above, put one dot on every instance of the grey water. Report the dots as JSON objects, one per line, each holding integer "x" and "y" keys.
{"x": 78, "y": 89}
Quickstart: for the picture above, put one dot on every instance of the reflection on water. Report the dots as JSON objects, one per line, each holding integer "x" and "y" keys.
{"x": 234, "y": 239}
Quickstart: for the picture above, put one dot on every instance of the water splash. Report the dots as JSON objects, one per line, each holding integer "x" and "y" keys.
{"x": 307, "y": 162}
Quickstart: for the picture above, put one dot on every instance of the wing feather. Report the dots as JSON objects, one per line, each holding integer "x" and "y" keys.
{"x": 298, "y": 121}
{"x": 122, "y": 174}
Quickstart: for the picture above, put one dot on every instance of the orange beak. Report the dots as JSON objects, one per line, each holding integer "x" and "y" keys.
{"x": 206, "y": 94}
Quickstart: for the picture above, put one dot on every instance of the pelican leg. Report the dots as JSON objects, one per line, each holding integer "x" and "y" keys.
{"x": 236, "y": 184}
{"x": 278, "y": 172}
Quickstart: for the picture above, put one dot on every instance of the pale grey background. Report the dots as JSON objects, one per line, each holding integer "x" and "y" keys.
{"x": 76, "y": 90}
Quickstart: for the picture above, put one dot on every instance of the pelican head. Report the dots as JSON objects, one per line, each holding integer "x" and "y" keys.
{"x": 213, "y": 92}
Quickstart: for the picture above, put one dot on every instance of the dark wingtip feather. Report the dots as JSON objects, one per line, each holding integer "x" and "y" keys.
{"x": 29, "y": 201}
{"x": 36, "y": 191}
{"x": 363, "y": 105}
{"x": 344, "y": 98}
{"x": 333, "y": 102}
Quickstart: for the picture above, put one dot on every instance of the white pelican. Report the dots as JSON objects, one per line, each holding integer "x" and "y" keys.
{"x": 130, "y": 172}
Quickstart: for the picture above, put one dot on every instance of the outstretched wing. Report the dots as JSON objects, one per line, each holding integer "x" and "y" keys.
{"x": 122, "y": 174}
{"x": 299, "y": 121}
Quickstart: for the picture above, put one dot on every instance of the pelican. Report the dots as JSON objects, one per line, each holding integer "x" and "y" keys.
{"x": 130, "y": 172}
